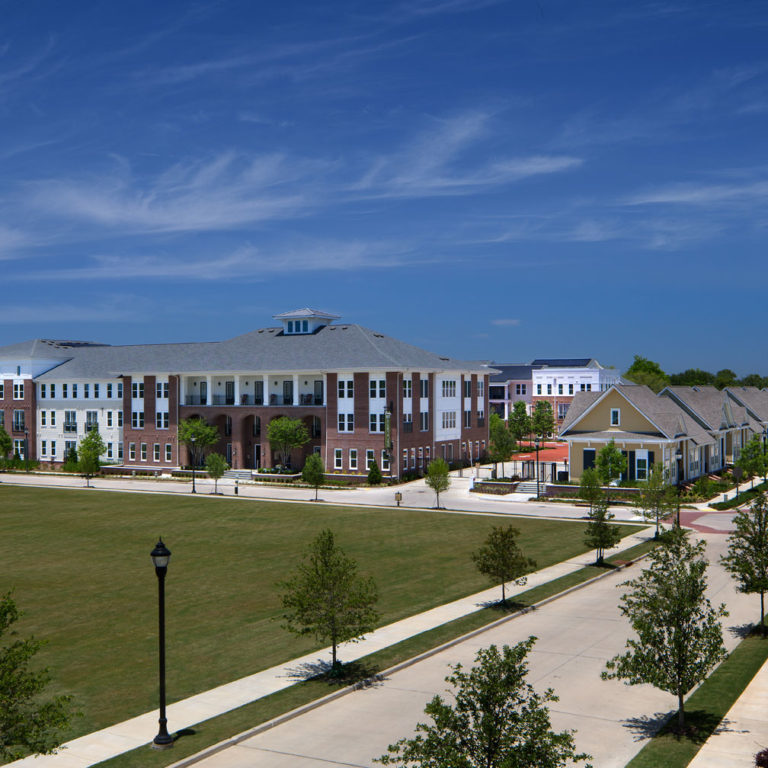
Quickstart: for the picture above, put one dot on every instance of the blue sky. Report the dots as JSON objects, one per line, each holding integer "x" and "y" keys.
{"x": 496, "y": 180}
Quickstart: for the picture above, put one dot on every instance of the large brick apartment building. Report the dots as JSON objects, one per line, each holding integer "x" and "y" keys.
{"x": 361, "y": 394}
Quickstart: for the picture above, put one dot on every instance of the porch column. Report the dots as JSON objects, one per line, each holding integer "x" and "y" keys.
{"x": 325, "y": 391}
{"x": 295, "y": 389}
{"x": 209, "y": 393}
{"x": 265, "y": 387}
{"x": 237, "y": 390}
{"x": 182, "y": 390}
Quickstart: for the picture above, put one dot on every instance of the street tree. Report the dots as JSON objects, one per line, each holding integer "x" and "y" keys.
{"x": 656, "y": 499}
{"x": 648, "y": 372}
{"x": 89, "y": 456}
{"x": 327, "y": 598}
{"x": 314, "y": 472}
{"x": 501, "y": 441}
{"x": 30, "y": 723}
{"x": 543, "y": 421}
{"x": 590, "y": 489}
{"x": 216, "y": 465}
{"x": 725, "y": 378}
{"x": 5, "y": 443}
{"x": 747, "y": 557}
{"x": 599, "y": 534}
{"x": 498, "y": 720}
{"x": 197, "y": 435}
{"x": 692, "y": 377}
{"x": 438, "y": 478}
{"x": 610, "y": 463}
{"x": 284, "y": 435}
{"x": 501, "y": 559}
{"x": 752, "y": 459}
{"x": 679, "y": 638}
{"x": 519, "y": 422}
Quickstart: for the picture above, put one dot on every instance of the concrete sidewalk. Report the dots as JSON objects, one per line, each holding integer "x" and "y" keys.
{"x": 742, "y": 733}
{"x": 130, "y": 734}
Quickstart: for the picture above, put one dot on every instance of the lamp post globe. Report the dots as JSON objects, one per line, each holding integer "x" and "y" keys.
{"x": 161, "y": 555}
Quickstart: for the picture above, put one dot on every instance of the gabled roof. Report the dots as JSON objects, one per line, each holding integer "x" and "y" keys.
{"x": 332, "y": 347}
{"x": 709, "y": 405}
{"x": 753, "y": 399}
{"x": 662, "y": 412}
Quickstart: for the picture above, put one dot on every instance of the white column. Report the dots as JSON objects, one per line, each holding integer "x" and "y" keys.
{"x": 209, "y": 393}
{"x": 265, "y": 379}
{"x": 182, "y": 390}
{"x": 325, "y": 389}
{"x": 237, "y": 390}
{"x": 295, "y": 389}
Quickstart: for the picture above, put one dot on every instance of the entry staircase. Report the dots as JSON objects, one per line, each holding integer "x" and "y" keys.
{"x": 527, "y": 487}
{"x": 239, "y": 474}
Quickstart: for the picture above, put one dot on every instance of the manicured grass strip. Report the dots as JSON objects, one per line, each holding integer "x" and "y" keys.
{"x": 705, "y": 708}
{"x": 742, "y": 498}
{"x": 217, "y": 729}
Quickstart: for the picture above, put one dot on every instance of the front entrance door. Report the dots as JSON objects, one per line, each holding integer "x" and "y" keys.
{"x": 256, "y": 456}
{"x": 287, "y": 393}
{"x": 203, "y": 392}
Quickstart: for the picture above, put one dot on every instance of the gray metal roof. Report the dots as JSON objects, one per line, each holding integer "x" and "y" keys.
{"x": 306, "y": 312}
{"x": 334, "y": 347}
{"x": 512, "y": 372}
{"x": 566, "y": 362}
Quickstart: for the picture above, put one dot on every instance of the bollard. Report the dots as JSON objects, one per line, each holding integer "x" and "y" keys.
{"x": 237, "y": 488}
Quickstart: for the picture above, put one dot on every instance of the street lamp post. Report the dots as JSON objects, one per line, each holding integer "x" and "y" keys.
{"x": 536, "y": 443}
{"x": 160, "y": 556}
{"x": 194, "y": 457}
{"x": 26, "y": 449}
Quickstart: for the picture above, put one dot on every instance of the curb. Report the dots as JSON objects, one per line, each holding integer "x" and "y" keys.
{"x": 294, "y": 713}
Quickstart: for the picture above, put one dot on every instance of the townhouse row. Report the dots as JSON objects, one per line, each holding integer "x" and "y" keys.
{"x": 363, "y": 396}
{"x": 690, "y": 431}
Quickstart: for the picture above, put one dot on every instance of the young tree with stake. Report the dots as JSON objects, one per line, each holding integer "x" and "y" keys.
{"x": 679, "y": 638}
{"x": 327, "y": 598}
{"x": 216, "y": 465}
{"x": 438, "y": 478}
{"x": 314, "y": 472}
{"x": 747, "y": 557}
{"x": 502, "y": 560}
{"x": 600, "y": 534}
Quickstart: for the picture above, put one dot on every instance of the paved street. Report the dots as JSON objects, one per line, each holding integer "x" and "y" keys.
{"x": 415, "y": 494}
{"x": 577, "y": 634}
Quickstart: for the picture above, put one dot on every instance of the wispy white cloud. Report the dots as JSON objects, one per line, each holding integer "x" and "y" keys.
{"x": 224, "y": 192}
{"x": 11, "y": 240}
{"x": 435, "y": 163}
{"x": 506, "y": 321}
{"x": 702, "y": 194}
{"x": 245, "y": 263}
{"x": 106, "y": 309}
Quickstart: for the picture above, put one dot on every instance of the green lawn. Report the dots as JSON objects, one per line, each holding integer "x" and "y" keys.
{"x": 78, "y": 563}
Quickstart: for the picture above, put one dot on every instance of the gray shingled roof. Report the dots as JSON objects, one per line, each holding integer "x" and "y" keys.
{"x": 334, "y": 347}
{"x": 710, "y": 405}
{"x": 754, "y": 399}
{"x": 670, "y": 419}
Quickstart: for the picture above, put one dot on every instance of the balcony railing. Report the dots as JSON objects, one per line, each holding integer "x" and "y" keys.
{"x": 70, "y": 427}
{"x": 90, "y": 426}
{"x": 18, "y": 426}
{"x": 219, "y": 400}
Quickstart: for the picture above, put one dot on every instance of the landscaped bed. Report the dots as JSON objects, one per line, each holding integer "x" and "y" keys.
{"x": 78, "y": 562}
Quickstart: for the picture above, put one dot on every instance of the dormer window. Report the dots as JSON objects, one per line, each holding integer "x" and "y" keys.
{"x": 303, "y": 321}
{"x": 297, "y": 326}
